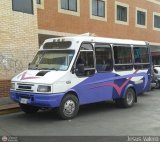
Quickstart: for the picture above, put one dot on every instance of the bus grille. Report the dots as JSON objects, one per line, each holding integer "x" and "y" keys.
{"x": 25, "y": 87}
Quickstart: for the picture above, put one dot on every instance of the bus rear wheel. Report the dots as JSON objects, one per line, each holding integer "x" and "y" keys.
{"x": 69, "y": 107}
{"x": 128, "y": 100}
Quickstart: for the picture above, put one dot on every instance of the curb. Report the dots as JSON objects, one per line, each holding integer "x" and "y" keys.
{"x": 9, "y": 108}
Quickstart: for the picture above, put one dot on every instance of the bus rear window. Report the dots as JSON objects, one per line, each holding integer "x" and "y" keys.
{"x": 141, "y": 55}
{"x": 57, "y": 45}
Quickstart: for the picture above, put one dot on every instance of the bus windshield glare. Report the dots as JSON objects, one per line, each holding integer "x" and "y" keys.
{"x": 52, "y": 60}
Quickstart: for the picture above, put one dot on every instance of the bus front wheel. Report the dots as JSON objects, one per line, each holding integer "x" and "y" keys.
{"x": 69, "y": 107}
{"x": 128, "y": 100}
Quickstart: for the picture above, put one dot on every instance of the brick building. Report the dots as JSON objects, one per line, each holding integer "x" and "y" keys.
{"x": 18, "y": 39}
{"x": 129, "y": 19}
{"x": 26, "y": 23}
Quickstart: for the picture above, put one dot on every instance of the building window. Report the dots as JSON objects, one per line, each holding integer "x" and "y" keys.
{"x": 141, "y": 17}
{"x": 121, "y": 13}
{"x": 40, "y": 4}
{"x": 69, "y": 5}
{"x": 156, "y": 21}
{"x": 25, "y": 6}
{"x": 38, "y": 1}
{"x": 98, "y": 8}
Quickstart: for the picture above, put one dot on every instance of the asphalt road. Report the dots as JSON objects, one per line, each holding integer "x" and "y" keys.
{"x": 101, "y": 119}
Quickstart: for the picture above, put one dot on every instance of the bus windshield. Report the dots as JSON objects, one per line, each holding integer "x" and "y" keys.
{"x": 52, "y": 60}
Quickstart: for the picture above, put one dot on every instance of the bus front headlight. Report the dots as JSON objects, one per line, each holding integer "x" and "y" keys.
{"x": 43, "y": 88}
{"x": 12, "y": 85}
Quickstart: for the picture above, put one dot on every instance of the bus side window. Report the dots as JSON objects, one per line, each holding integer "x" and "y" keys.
{"x": 141, "y": 57}
{"x": 85, "y": 60}
{"x": 123, "y": 57}
{"x": 103, "y": 57}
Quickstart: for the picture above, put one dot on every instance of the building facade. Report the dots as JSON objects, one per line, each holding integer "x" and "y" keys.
{"x": 18, "y": 39}
{"x": 25, "y": 24}
{"x": 129, "y": 19}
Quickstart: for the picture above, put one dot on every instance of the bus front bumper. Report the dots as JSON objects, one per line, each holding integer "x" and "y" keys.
{"x": 39, "y": 100}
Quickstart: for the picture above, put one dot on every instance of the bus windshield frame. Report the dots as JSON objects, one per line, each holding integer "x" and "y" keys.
{"x": 58, "y": 60}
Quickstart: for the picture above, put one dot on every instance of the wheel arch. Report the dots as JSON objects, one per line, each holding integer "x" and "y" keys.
{"x": 132, "y": 87}
{"x": 71, "y": 92}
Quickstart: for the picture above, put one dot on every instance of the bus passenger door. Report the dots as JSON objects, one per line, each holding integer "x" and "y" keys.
{"x": 91, "y": 89}
{"x": 104, "y": 67}
{"x": 85, "y": 70}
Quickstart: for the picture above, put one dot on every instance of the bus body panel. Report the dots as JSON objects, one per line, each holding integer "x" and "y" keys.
{"x": 39, "y": 100}
{"x": 88, "y": 90}
{"x": 109, "y": 86}
{"x": 96, "y": 88}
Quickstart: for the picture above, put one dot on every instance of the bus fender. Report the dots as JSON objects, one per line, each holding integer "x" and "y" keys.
{"x": 71, "y": 91}
{"x": 126, "y": 88}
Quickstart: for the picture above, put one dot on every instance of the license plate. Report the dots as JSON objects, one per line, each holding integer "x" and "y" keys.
{"x": 24, "y": 101}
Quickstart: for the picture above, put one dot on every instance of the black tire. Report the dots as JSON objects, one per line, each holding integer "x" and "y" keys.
{"x": 28, "y": 109}
{"x": 128, "y": 100}
{"x": 69, "y": 107}
{"x": 157, "y": 85}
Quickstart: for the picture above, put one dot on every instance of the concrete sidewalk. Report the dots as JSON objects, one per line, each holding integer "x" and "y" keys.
{"x": 8, "y": 106}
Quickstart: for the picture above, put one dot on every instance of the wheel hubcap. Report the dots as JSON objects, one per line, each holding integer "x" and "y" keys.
{"x": 69, "y": 107}
{"x": 130, "y": 98}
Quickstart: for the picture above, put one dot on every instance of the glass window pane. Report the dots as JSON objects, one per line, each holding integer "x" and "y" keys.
{"x": 156, "y": 21}
{"x": 98, "y": 8}
{"x": 57, "y": 45}
{"x": 123, "y": 58}
{"x": 86, "y": 46}
{"x": 52, "y": 60}
{"x": 121, "y": 13}
{"x": 141, "y": 55}
{"x": 94, "y": 7}
{"x": 141, "y": 58}
{"x": 140, "y": 18}
{"x": 38, "y": 1}
{"x": 143, "y": 18}
{"x": 25, "y": 6}
{"x": 101, "y": 8}
{"x": 86, "y": 58}
{"x": 73, "y": 5}
{"x": 103, "y": 58}
{"x": 122, "y": 55}
{"x": 64, "y": 4}
{"x": 28, "y": 6}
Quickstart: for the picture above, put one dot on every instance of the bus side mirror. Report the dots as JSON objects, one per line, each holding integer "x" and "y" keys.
{"x": 80, "y": 69}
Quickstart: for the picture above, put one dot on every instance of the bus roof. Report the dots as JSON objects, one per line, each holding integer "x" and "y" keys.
{"x": 86, "y": 38}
